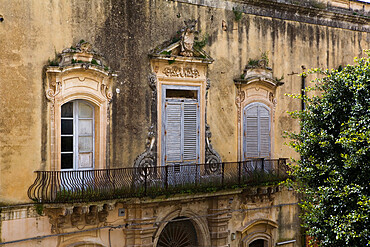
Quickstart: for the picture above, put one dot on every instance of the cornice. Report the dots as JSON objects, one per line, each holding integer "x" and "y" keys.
{"x": 281, "y": 9}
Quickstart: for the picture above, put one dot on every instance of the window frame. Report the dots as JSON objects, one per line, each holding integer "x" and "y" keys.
{"x": 76, "y": 135}
{"x": 244, "y": 130}
{"x": 163, "y": 123}
{"x": 75, "y": 83}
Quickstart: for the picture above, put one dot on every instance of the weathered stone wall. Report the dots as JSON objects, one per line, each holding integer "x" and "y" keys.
{"x": 216, "y": 217}
{"x": 125, "y": 32}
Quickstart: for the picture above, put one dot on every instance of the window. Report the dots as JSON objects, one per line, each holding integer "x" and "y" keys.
{"x": 79, "y": 99}
{"x": 77, "y": 135}
{"x": 256, "y": 131}
{"x": 181, "y": 125}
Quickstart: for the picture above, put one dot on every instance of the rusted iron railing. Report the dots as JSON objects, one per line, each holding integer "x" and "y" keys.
{"x": 105, "y": 184}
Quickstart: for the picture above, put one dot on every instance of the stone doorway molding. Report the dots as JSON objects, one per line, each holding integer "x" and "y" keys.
{"x": 200, "y": 225}
{"x": 258, "y": 229}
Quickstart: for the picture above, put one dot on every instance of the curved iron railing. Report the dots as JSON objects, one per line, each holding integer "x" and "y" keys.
{"x": 105, "y": 184}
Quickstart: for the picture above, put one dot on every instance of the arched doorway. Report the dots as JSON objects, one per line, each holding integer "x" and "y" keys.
{"x": 179, "y": 233}
{"x": 259, "y": 243}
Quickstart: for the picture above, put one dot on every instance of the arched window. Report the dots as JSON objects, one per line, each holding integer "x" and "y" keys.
{"x": 256, "y": 131}
{"x": 79, "y": 95}
{"x": 77, "y": 135}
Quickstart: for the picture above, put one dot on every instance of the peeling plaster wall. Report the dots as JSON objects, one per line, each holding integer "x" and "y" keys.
{"x": 125, "y": 32}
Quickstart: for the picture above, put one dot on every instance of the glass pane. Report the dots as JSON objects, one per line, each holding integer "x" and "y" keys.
{"x": 67, "y": 144}
{"x": 67, "y": 109}
{"x": 85, "y": 144}
{"x": 85, "y": 127}
{"x": 67, "y": 126}
{"x": 67, "y": 161}
{"x": 84, "y": 110}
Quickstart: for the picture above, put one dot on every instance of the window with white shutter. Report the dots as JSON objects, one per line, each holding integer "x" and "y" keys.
{"x": 256, "y": 131}
{"x": 180, "y": 125}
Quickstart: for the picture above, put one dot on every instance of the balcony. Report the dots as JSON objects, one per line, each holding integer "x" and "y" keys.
{"x": 105, "y": 184}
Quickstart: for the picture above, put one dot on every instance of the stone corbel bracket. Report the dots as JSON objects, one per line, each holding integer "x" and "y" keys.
{"x": 66, "y": 216}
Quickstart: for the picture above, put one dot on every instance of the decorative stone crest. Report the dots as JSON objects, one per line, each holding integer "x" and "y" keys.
{"x": 187, "y": 38}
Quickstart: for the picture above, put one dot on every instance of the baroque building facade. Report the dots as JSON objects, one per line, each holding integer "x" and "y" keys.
{"x": 159, "y": 122}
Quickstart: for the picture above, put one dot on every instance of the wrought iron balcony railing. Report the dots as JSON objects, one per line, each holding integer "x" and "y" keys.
{"x": 105, "y": 184}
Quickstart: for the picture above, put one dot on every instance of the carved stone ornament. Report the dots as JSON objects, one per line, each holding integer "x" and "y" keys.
{"x": 146, "y": 161}
{"x": 182, "y": 47}
{"x": 187, "y": 38}
{"x": 175, "y": 71}
{"x": 105, "y": 92}
{"x": 152, "y": 79}
{"x": 73, "y": 216}
{"x": 259, "y": 195}
{"x": 53, "y": 90}
{"x": 213, "y": 159}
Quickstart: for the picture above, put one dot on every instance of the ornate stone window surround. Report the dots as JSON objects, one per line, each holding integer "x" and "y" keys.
{"x": 160, "y": 68}
{"x": 257, "y": 85}
{"x": 178, "y": 64}
{"x": 72, "y": 83}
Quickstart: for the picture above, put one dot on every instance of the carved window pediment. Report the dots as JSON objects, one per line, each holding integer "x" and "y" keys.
{"x": 259, "y": 74}
{"x": 183, "y": 47}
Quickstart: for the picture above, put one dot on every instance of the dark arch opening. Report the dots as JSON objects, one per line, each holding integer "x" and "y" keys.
{"x": 179, "y": 233}
{"x": 258, "y": 243}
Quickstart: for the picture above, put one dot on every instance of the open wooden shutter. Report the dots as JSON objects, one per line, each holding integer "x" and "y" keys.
{"x": 173, "y": 132}
{"x": 190, "y": 132}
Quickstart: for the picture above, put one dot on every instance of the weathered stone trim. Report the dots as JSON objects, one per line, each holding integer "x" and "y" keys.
{"x": 292, "y": 12}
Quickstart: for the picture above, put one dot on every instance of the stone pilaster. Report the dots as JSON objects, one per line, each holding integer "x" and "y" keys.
{"x": 218, "y": 221}
{"x": 140, "y": 226}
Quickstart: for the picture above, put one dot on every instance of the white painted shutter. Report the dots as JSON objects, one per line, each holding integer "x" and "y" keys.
{"x": 264, "y": 132}
{"x": 190, "y": 132}
{"x": 85, "y": 135}
{"x": 173, "y": 132}
{"x": 251, "y": 131}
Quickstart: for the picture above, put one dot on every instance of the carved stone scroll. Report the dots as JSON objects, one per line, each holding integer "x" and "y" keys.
{"x": 213, "y": 159}
{"x": 146, "y": 161}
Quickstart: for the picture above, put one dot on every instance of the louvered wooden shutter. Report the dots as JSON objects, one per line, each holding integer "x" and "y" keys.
{"x": 190, "y": 132}
{"x": 264, "y": 132}
{"x": 257, "y": 141}
{"x": 251, "y": 132}
{"x": 173, "y": 132}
